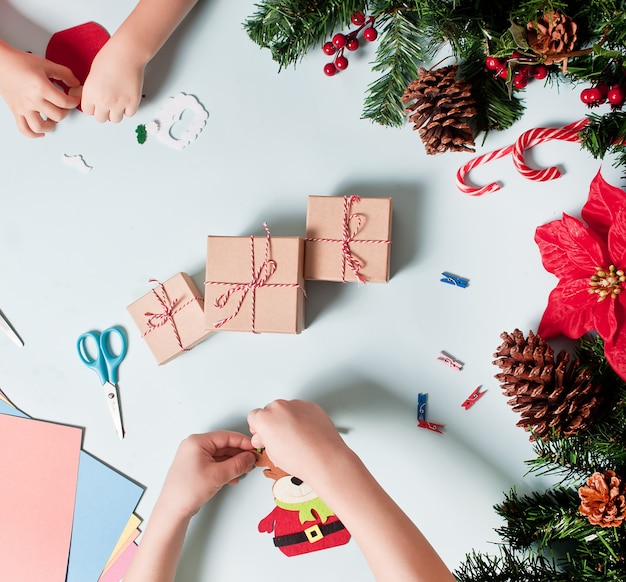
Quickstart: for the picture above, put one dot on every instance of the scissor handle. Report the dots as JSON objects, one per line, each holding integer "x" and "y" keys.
{"x": 105, "y": 363}
{"x": 112, "y": 360}
{"x": 96, "y": 363}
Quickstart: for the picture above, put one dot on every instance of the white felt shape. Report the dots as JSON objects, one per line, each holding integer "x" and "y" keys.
{"x": 171, "y": 113}
{"x": 77, "y": 161}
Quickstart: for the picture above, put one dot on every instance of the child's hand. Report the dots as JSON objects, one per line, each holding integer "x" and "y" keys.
{"x": 26, "y": 86}
{"x": 113, "y": 87}
{"x": 298, "y": 435}
{"x": 203, "y": 464}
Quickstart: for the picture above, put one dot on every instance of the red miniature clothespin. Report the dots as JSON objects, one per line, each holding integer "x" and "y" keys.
{"x": 449, "y": 361}
{"x": 435, "y": 427}
{"x": 473, "y": 398}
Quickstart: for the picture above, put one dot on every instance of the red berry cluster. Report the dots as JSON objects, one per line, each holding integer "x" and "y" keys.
{"x": 602, "y": 92}
{"x": 523, "y": 69}
{"x": 341, "y": 41}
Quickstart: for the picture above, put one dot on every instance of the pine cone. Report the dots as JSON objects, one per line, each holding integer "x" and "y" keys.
{"x": 442, "y": 110}
{"x": 602, "y": 501}
{"x": 550, "y": 393}
{"x": 552, "y": 36}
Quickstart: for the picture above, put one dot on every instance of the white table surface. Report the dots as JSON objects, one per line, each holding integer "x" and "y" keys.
{"x": 77, "y": 248}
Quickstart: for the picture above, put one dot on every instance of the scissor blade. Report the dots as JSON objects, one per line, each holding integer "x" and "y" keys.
{"x": 110, "y": 392}
{"x": 7, "y": 328}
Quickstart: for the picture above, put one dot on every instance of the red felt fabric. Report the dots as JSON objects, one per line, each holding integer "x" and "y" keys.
{"x": 76, "y": 48}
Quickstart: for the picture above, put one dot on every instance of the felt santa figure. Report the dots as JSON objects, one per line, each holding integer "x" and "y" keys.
{"x": 301, "y": 521}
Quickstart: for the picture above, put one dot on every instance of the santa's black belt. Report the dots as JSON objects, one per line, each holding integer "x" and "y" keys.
{"x": 311, "y": 534}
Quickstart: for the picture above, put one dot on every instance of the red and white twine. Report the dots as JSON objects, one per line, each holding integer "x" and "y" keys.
{"x": 166, "y": 315}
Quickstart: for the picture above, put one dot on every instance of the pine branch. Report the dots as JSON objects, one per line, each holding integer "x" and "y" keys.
{"x": 497, "y": 110}
{"x": 606, "y": 134}
{"x": 509, "y": 566}
{"x": 290, "y": 28}
{"x": 542, "y": 518}
{"x": 399, "y": 55}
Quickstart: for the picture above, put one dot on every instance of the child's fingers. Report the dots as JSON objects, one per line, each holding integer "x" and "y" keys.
{"x": 62, "y": 73}
{"x": 24, "y": 128}
{"x": 59, "y": 99}
{"x": 53, "y": 112}
{"x": 37, "y": 124}
{"x": 116, "y": 115}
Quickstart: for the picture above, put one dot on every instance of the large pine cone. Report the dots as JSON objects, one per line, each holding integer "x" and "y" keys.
{"x": 602, "y": 501}
{"x": 442, "y": 108}
{"x": 552, "y": 36}
{"x": 551, "y": 394}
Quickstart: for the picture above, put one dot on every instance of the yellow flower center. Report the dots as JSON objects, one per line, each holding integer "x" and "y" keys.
{"x": 607, "y": 282}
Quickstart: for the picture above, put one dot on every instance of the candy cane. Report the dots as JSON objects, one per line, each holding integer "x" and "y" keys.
{"x": 527, "y": 140}
{"x": 479, "y": 161}
{"x": 539, "y": 135}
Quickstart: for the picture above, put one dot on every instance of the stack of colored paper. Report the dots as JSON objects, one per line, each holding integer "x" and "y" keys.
{"x": 66, "y": 516}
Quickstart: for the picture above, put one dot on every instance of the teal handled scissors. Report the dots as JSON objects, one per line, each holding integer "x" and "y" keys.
{"x": 106, "y": 364}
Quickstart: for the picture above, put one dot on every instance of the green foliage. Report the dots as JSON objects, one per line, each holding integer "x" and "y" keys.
{"x": 412, "y": 32}
{"x": 544, "y": 537}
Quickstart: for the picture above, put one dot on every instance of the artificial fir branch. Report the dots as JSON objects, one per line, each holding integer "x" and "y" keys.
{"x": 290, "y": 28}
{"x": 412, "y": 31}
{"x": 397, "y": 56}
{"x": 509, "y": 566}
{"x": 606, "y": 134}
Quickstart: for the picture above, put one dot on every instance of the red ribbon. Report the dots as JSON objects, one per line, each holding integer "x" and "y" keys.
{"x": 349, "y": 235}
{"x": 169, "y": 310}
{"x": 258, "y": 279}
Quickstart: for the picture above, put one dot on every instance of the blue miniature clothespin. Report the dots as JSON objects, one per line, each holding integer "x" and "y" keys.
{"x": 455, "y": 280}
{"x": 421, "y": 406}
{"x": 473, "y": 398}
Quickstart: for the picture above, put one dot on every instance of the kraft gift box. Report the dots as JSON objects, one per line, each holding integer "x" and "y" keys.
{"x": 254, "y": 284}
{"x": 348, "y": 239}
{"x": 170, "y": 317}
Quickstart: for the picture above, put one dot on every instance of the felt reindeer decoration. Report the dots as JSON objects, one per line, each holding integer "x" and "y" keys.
{"x": 301, "y": 521}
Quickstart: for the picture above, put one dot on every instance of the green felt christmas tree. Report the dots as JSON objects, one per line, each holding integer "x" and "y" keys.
{"x": 498, "y": 48}
{"x": 575, "y": 410}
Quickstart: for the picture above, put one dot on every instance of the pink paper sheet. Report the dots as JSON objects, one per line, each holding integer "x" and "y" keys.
{"x": 39, "y": 471}
{"x": 118, "y": 569}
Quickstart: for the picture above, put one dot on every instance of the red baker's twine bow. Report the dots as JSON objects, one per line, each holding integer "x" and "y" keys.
{"x": 527, "y": 140}
{"x": 258, "y": 279}
{"x": 170, "y": 309}
{"x": 348, "y": 237}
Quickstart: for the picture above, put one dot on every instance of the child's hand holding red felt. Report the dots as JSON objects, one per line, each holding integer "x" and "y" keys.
{"x": 26, "y": 86}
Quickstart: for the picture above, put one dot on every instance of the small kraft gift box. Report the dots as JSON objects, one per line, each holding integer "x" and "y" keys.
{"x": 254, "y": 284}
{"x": 170, "y": 317}
{"x": 348, "y": 239}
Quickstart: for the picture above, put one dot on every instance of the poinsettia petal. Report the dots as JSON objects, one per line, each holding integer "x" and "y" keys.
{"x": 617, "y": 240}
{"x": 615, "y": 349}
{"x": 603, "y": 204}
{"x": 570, "y": 311}
{"x": 569, "y": 249}
{"x": 604, "y": 318}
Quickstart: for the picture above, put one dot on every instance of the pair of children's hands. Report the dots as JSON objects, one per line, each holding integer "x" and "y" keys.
{"x": 298, "y": 436}
{"x": 111, "y": 91}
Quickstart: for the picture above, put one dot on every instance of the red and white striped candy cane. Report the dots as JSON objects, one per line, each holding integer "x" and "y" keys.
{"x": 533, "y": 137}
{"x": 464, "y": 170}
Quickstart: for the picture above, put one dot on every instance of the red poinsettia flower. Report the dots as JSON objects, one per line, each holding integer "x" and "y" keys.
{"x": 590, "y": 262}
